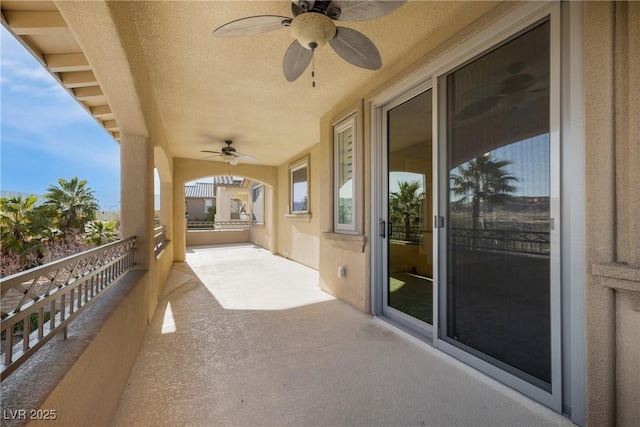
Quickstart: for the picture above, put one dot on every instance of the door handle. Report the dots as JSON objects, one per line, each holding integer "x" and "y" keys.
{"x": 382, "y": 228}
{"x": 390, "y": 229}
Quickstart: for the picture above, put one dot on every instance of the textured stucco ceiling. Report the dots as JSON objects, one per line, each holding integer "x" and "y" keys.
{"x": 165, "y": 74}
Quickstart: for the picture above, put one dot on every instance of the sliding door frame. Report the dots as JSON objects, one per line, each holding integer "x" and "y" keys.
{"x": 552, "y": 398}
{"x": 562, "y": 301}
{"x": 418, "y": 326}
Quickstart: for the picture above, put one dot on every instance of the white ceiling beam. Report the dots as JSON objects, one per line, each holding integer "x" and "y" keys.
{"x": 110, "y": 125}
{"x": 82, "y": 93}
{"x": 78, "y": 79}
{"x": 67, "y": 62}
{"x": 101, "y": 111}
{"x": 35, "y": 22}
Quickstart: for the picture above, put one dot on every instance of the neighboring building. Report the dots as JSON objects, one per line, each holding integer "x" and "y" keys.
{"x": 232, "y": 198}
{"x": 226, "y": 195}
{"x": 199, "y": 198}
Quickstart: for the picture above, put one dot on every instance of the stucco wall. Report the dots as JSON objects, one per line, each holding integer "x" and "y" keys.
{"x": 85, "y": 374}
{"x": 220, "y": 237}
{"x": 195, "y": 209}
{"x": 264, "y": 235}
{"x": 298, "y": 235}
{"x": 612, "y": 129}
{"x": 340, "y": 250}
{"x": 354, "y": 253}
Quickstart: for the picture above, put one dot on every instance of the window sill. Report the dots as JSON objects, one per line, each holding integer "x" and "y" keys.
{"x": 621, "y": 277}
{"x": 350, "y": 242}
{"x": 302, "y": 217}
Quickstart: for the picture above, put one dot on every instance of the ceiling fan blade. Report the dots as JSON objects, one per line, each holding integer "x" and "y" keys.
{"x": 355, "y": 48}
{"x": 485, "y": 91}
{"x": 247, "y": 157}
{"x": 209, "y": 151}
{"x": 295, "y": 61}
{"x": 252, "y": 25}
{"x": 364, "y": 10}
{"x": 209, "y": 157}
{"x": 477, "y": 108}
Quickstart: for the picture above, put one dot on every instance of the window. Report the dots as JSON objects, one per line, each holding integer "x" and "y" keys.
{"x": 208, "y": 204}
{"x": 344, "y": 140}
{"x": 257, "y": 204}
{"x": 299, "y": 178}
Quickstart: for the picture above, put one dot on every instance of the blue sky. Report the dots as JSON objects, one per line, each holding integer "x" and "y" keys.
{"x": 46, "y": 134}
{"x": 529, "y": 163}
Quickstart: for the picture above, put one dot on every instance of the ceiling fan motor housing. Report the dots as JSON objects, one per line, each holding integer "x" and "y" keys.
{"x": 312, "y": 29}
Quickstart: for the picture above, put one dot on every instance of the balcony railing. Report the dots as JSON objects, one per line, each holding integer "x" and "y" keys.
{"x": 411, "y": 234}
{"x": 160, "y": 240}
{"x": 526, "y": 242}
{"x": 200, "y": 225}
{"x": 233, "y": 224}
{"x": 39, "y": 303}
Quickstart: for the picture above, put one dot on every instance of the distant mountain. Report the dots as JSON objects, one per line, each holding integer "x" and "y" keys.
{"x": 523, "y": 213}
{"x": 526, "y": 204}
{"x": 515, "y": 204}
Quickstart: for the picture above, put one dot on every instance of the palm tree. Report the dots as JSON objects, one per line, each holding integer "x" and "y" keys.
{"x": 483, "y": 179}
{"x": 406, "y": 204}
{"x": 74, "y": 202}
{"x": 100, "y": 232}
{"x": 23, "y": 224}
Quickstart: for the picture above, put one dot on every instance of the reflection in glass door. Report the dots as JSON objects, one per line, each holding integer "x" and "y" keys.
{"x": 409, "y": 290}
{"x": 499, "y": 204}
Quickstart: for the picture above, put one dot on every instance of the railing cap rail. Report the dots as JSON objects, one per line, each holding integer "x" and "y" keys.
{"x": 9, "y": 282}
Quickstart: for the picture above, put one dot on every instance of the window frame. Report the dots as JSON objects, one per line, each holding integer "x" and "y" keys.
{"x": 338, "y": 128}
{"x": 520, "y": 20}
{"x": 205, "y": 204}
{"x": 294, "y": 167}
{"x": 253, "y": 203}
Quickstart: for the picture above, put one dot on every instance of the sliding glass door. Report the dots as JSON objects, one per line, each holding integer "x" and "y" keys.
{"x": 409, "y": 236}
{"x": 497, "y": 200}
{"x": 467, "y": 203}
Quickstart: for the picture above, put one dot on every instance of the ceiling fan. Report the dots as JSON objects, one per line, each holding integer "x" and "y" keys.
{"x": 516, "y": 90}
{"x": 229, "y": 154}
{"x": 312, "y": 26}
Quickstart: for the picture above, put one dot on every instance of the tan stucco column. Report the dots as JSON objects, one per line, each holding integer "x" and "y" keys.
{"x": 612, "y": 76}
{"x": 179, "y": 221}
{"x": 136, "y": 188}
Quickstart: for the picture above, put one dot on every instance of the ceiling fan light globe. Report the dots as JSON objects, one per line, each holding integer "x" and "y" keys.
{"x": 233, "y": 162}
{"x": 228, "y": 158}
{"x": 313, "y": 28}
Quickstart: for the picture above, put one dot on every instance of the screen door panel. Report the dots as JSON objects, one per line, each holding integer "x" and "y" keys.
{"x": 498, "y": 207}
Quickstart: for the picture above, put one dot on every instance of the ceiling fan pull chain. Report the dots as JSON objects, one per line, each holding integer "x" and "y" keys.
{"x": 313, "y": 63}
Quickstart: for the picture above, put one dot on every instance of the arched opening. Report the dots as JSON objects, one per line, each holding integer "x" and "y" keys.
{"x": 223, "y": 209}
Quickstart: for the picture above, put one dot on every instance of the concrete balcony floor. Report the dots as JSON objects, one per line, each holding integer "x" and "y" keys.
{"x": 242, "y": 337}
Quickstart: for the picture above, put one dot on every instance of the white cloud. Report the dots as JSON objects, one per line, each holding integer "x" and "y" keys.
{"x": 42, "y": 125}
{"x": 22, "y": 70}
{"x": 21, "y": 73}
